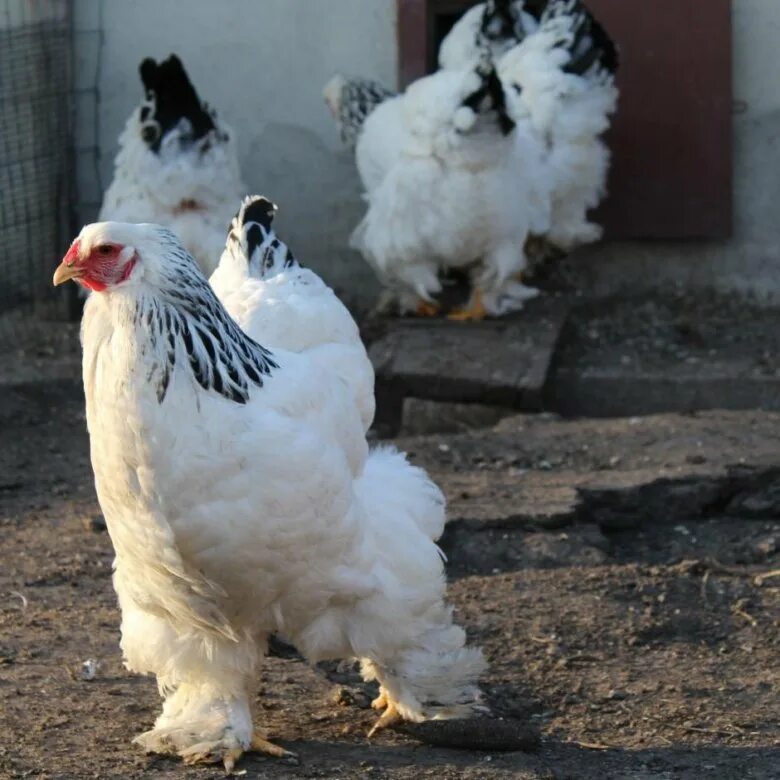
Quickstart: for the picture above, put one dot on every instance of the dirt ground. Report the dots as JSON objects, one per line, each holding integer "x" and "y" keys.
{"x": 645, "y": 653}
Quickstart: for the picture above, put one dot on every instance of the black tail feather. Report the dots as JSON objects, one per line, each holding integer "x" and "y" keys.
{"x": 591, "y": 43}
{"x": 260, "y": 210}
{"x": 174, "y": 96}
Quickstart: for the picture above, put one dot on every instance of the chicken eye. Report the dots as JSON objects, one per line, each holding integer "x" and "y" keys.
{"x": 105, "y": 250}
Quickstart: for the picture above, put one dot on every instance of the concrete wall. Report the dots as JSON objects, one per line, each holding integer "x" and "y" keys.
{"x": 262, "y": 63}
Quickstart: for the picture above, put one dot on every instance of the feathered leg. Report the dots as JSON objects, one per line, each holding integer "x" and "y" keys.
{"x": 207, "y": 683}
{"x": 437, "y": 679}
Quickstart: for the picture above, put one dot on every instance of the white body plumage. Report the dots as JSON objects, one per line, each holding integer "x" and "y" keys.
{"x": 570, "y": 113}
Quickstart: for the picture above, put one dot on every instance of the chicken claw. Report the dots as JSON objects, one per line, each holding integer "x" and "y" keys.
{"x": 230, "y": 758}
{"x": 260, "y": 744}
{"x": 475, "y": 310}
{"x": 380, "y": 702}
{"x": 388, "y": 718}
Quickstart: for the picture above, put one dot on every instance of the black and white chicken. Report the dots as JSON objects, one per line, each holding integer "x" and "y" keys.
{"x": 370, "y": 121}
{"x": 177, "y": 164}
{"x": 277, "y": 301}
{"x": 242, "y": 501}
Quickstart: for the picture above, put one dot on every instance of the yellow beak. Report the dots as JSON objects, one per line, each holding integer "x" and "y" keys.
{"x": 66, "y": 272}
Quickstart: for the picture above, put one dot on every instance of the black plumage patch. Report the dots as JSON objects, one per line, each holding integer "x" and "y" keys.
{"x": 260, "y": 210}
{"x": 254, "y": 238}
{"x": 172, "y": 97}
{"x": 490, "y": 98}
{"x": 535, "y": 8}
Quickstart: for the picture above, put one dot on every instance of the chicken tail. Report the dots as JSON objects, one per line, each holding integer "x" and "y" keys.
{"x": 252, "y": 237}
{"x": 417, "y": 655}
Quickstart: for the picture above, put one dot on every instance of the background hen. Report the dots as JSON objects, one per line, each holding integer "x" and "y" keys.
{"x": 463, "y": 192}
{"x": 177, "y": 164}
{"x": 273, "y": 299}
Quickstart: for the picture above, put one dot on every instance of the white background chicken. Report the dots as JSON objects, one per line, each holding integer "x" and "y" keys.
{"x": 177, "y": 164}
{"x": 556, "y": 69}
{"x": 454, "y": 197}
{"x": 241, "y": 500}
{"x": 276, "y": 301}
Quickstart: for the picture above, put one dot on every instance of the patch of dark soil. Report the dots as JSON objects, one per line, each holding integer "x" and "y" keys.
{"x": 646, "y": 654}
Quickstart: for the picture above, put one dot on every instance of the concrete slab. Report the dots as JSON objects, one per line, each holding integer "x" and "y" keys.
{"x": 675, "y": 355}
{"x": 498, "y": 362}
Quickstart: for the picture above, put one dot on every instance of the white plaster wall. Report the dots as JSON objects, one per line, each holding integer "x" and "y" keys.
{"x": 262, "y": 64}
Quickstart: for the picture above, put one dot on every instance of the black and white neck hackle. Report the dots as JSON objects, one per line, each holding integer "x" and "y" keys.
{"x": 359, "y": 97}
{"x": 188, "y": 328}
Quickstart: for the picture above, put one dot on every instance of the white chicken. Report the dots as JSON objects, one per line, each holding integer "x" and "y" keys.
{"x": 241, "y": 501}
{"x": 558, "y": 65}
{"x": 276, "y": 301}
{"x": 463, "y": 192}
{"x": 177, "y": 164}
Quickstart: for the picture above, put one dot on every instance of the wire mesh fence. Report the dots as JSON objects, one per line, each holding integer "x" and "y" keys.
{"x": 36, "y": 148}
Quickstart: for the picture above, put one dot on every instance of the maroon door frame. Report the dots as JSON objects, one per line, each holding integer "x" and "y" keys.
{"x": 671, "y": 140}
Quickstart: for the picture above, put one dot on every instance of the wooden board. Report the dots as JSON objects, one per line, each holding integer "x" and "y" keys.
{"x": 502, "y": 362}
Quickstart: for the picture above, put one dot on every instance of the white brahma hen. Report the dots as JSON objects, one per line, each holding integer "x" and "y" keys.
{"x": 493, "y": 27}
{"x": 240, "y": 500}
{"x": 276, "y": 301}
{"x": 562, "y": 78}
{"x": 177, "y": 164}
{"x": 463, "y": 193}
